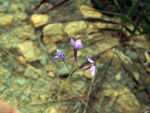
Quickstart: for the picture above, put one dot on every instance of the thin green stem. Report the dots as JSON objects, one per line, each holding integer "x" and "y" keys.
{"x": 66, "y": 65}
{"x": 59, "y": 90}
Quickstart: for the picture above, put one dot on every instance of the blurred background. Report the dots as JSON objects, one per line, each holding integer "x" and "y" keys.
{"x": 114, "y": 33}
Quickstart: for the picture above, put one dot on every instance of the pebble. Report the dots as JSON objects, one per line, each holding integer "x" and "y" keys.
{"x": 5, "y": 21}
{"x": 132, "y": 55}
{"x": 29, "y": 51}
{"x": 2, "y": 88}
{"x": 39, "y": 20}
{"x": 21, "y": 81}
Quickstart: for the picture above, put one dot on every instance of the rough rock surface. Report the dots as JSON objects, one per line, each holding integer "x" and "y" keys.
{"x": 39, "y": 20}
{"x": 29, "y": 51}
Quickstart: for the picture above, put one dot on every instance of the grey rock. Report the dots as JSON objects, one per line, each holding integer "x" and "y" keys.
{"x": 77, "y": 106}
{"x": 21, "y": 81}
{"x": 63, "y": 70}
{"x": 132, "y": 55}
{"x": 2, "y": 88}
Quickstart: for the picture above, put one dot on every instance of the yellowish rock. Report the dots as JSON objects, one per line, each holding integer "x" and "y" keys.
{"x": 51, "y": 47}
{"x": 5, "y": 21}
{"x": 53, "y": 33}
{"x": 74, "y": 28}
{"x": 26, "y": 35}
{"x": 124, "y": 101}
{"x": 53, "y": 110}
{"x": 22, "y": 60}
{"x": 29, "y": 51}
{"x": 89, "y": 12}
{"x": 51, "y": 74}
{"x": 39, "y": 20}
{"x": 118, "y": 76}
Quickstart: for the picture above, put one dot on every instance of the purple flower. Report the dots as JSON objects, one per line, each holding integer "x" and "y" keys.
{"x": 59, "y": 55}
{"x": 91, "y": 67}
{"x": 76, "y": 45}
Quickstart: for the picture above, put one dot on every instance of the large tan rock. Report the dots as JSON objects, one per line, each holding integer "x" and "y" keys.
{"x": 29, "y": 51}
{"x": 89, "y": 12}
{"x": 39, "y": 20}
{"x": 26, "y": 35}
{"x": 77, "y": 27}
{"x": 124, "y": 101}
{"x": 53, "y": 33}
{"x": 5, "y": 21}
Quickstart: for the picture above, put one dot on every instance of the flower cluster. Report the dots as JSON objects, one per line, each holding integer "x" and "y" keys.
{"x": 76, "y": 46}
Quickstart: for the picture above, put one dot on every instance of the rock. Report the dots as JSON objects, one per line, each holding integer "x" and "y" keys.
{"x": 132, "y": 55}
{"x": 118, "y": 76}
{"x": 39, "y": 20}
{"x": 2, "y": 88}
{"x": 77, "y": 106}
{"x": 124, "y": 101}
{"x": 89, "y": 12}
{"x": 53, "y": 110}
{"x": 43, "y": 97}
{"x": 26, "y": 35}
{"x": 32, "y": 72}
{"x": 77, "y": 27}
{"x": 51, "y": 47}
{"x": 63, "y": 70}
{"x": 21, "y": 15}
{"x": 29, "y": 51}
{"x": 21, "y": 81}
{"x": 53, "y": 33}
{"x": 22, "y": 60}
{"x": 5, "y": 21}
{"x": 51, "y": 74}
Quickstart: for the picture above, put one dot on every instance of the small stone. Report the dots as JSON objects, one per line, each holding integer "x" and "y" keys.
{"x": 5, "y": 21}
{"x": 21, "y": 15}
{"x": 63, "y": 70}
{"x": 53, "y": 111}
{"x": 51, "y": 47}
{"x": 29, "y": 51}
{"x": 89, "y": 12}
{"x": 118, "y": 76}
{"x": 39, "y": 20}
{"x": 132, "y": 55}
{"x": 43, "y": 97}
{"x": 25, "y": 35}
{"x": 53, "y": 33}
{"x": 32, "y": 73}
{"x": 22, "y": 60}
{"x": 51, "y": 74}
{"x": 21, "y": 81}
{"x": 2, "y": 88}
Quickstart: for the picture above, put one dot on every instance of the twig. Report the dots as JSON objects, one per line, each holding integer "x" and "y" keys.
{"x": 22, "y": 99}
{"x": 89, "y": 93}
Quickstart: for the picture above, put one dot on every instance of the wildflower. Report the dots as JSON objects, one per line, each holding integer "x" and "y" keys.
{"x": 76, "y": 45}
{"x": 59, "y": 55}
{"x": 91, "y": 67}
